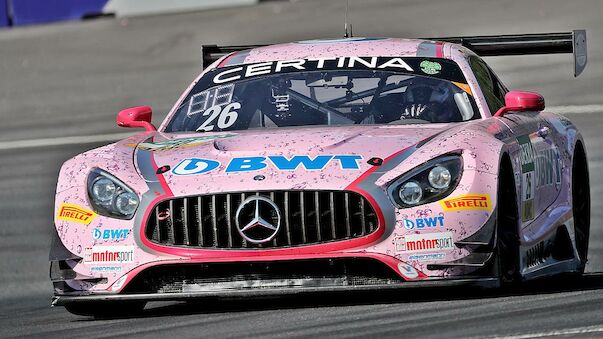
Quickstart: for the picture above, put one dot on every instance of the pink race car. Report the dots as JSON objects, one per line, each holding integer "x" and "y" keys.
{"x": 328, "y": 165}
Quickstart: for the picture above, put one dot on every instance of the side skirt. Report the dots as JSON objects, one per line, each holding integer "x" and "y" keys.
{"x": 552, "y": 255}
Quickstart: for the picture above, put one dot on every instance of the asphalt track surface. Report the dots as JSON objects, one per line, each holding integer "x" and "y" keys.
{"x": 71, "y": 80}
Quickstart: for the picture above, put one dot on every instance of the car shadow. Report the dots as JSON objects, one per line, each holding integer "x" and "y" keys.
{"x": 559, "y": 284}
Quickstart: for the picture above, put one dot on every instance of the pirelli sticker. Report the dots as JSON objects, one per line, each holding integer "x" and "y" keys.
{"x": 467, "y": 202}
{"x": 75, "y": 213}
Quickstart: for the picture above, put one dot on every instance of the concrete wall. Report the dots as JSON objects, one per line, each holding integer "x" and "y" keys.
{"x": 144, "y": 7}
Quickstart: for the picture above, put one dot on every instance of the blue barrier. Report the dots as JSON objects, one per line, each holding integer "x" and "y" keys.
{"x": 25, "y": 12}
{"x": 3, "y": 13}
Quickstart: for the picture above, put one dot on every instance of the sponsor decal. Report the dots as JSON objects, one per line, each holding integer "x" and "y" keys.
{"x": 427, "y": 256}
{"x": 178, "y": 143}
{"x": 425, "y": 242}
{"x": 548, "y": 168}
{"x": 420, "y": 223}
{"x": 109, "y": 254}
{"x": 71, "y": 212}
{"x": 105, "y": 269}
{"x": 526, "y": 154}
{"x": 194, "y": 166}
{"x": 408, "y": 271}
{"x": 119, "y": 283}
{"x": 430, "y": 67}
{"x": 110, "y": 234}
{"x": 467, "y": 202}
{"x": 281, "y": 66}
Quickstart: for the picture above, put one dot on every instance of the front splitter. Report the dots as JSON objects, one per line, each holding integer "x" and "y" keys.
{"x": 61, "y": 300}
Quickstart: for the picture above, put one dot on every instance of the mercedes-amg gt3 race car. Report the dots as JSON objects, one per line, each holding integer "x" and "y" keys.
{"x": 328, "y": 165}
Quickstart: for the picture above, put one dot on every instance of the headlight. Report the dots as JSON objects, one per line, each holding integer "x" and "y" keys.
{"x": 111, "y": 197}
{"x": 439, "y": 177}
{"x": 429, "y": 182}
{"x": 410, "y": 193}
{"x": 103, "y": 190}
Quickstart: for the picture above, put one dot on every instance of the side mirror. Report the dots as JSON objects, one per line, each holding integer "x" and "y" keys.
{"x": 139, "y": 116}
{"x": 521, "y": 101}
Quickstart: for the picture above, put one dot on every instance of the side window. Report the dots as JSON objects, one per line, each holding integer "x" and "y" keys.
{"x": 499, "y": 88}
{"x": 491, "y": 87}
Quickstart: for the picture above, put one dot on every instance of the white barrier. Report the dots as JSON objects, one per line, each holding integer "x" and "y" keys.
{"x": 145, "y": 7}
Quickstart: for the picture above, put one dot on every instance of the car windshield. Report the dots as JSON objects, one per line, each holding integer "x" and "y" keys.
{"x": 297, "y": 93}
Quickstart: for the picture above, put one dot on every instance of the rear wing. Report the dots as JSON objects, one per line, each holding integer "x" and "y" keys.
{"x": 212, "y": 53}
{"x": 490, "y": 45}
{"x": 525, "y": 44}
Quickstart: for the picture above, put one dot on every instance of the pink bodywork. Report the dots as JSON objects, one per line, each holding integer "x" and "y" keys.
{"x": 475, "y": 140}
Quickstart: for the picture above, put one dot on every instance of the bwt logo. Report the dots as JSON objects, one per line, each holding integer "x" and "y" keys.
{"x": 195, "y": 166}
{"x": 423, "y": 222}
{"x": 114, "y": 234}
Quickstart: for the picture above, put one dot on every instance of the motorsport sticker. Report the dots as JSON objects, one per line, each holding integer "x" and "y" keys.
{"x": 425, "y": 242}
{"x": 467, "y": 202}
{"x": 526, "y": 159}
{"x": 71, "y": 212}
{"x": 109, "y": 255}
{"x": 177, "y": 143}
{"x": 430, "y": 67}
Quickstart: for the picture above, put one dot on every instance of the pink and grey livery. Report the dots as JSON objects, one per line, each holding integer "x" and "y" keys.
{"x": 328, "y": 165}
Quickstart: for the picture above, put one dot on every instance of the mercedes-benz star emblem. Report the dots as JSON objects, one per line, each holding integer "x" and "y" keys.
{"x": 258, "y": 219}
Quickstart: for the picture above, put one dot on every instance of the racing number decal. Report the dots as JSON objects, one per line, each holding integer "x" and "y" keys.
{"x": 226, "y": 116}
{"x": 526, "y": 158}
{"x": 527, "y": 196}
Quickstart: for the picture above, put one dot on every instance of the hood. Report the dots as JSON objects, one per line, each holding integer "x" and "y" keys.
{"x": 328, "y": 158}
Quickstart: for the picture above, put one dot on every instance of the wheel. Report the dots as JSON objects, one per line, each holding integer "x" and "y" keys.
{"x": 106, "y": 309}
{"x": 507, "y": 234}
{"x": 581, "y": 205}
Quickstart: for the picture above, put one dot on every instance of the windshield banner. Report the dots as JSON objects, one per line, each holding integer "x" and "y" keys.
{"x": 433, "y": 67}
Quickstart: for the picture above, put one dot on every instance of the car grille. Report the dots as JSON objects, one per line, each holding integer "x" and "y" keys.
{"x": 307, "y": 217}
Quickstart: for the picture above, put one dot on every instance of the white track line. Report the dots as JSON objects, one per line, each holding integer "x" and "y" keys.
{"x": 567, "y": 332}
{"x": 83, "y": 139}
{"x": 575, "y": 109}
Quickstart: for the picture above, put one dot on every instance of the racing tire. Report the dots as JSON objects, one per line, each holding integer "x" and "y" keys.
{"x": 507, "y": 229}
{"x": 581, "y": 205}
{"x": 106, "y": 309}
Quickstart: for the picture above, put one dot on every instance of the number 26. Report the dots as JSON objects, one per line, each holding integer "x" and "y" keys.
{"x": 226, "y": 116}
